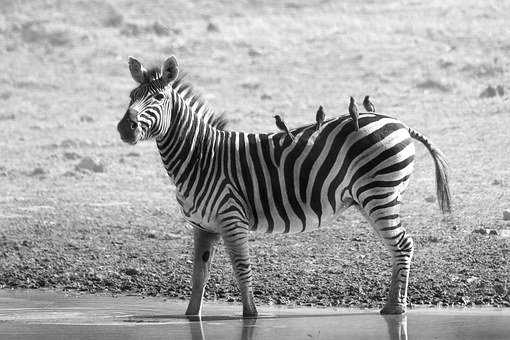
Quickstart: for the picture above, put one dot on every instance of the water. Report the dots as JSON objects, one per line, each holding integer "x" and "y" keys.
{"x": 52, "y": 315}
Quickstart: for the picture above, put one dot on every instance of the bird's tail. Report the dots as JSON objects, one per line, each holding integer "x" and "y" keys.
{"x": 442, "y": 187}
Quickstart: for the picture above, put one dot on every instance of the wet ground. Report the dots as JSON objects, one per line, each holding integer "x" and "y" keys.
{"x": 50, "y": 315}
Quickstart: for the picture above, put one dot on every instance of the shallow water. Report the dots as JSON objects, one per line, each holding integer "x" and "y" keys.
{"x": 53, "y": 315}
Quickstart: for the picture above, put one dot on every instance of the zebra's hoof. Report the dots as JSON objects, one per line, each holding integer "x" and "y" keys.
{"x": 393, "y": 309}
{"x": 250, "y": 313}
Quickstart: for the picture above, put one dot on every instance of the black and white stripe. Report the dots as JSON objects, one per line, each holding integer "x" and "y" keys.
{"x": 229, "y": 183}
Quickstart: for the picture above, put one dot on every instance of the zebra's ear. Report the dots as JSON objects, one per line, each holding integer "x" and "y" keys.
{"x": 138, "y": 72}
{"x": 170, "y": 70}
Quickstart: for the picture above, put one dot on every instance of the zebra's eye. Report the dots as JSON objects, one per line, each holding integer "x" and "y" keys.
{"x": 159, "y": 96}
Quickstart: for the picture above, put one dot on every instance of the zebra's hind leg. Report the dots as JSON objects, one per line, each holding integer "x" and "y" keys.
{"x": 235, "y": 236}
{"x": 385, "y": 219}
{"x": 205, "y": 247}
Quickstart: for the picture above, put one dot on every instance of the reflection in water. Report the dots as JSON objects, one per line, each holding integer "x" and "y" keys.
{"x": 197, "y": 329}
{"x": 397, "y": 326}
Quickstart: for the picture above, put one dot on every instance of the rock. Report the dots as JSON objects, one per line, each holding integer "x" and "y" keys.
{"x": 493, "y": 232}
{"x": 130, "y": 30}
{"x": 112, "y": 17}
{"x": 71, "y": 155}
{"x": 133, "y": 154}
{"x": 489, "y": 92}
{"x": 254, "y": 53}
{"x": 8, "y": 117}
{"x": 506, "y": 215}
{"x": 501, "y": 90}
{"x": 131, "y": 271}
{"x": 265, "y": 97}
{"x": 160, "y": 29}
{"x": 481, "y": 231}
{"x": 433, "y": 85}
{"x": 500, "y": 289}
{"x": 472, "y": 279}
{"x": 68, "y": 143}
{"x": 86, "y": 119}
{"x": 497, "y": 182}
{"x": 70, "y": 174}
{"x": 505, "y": 233}
{"x": 212, "y": 27}
{"x": 430, "y": 199}
{"x": 89, "y": 164}
{"x": 250, "y": 86}
{"x": 37, "y": 172}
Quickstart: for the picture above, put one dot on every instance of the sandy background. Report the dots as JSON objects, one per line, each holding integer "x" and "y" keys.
{"x": 110, "y": 223}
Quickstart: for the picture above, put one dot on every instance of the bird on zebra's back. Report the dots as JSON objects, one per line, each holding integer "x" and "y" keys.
{"x": 228, "y": 184}
{"x": 368, "y": 105}
{"x": 319, "y": 117}
{"x": 280, "y": 124}
{"x": 353, "y": 111}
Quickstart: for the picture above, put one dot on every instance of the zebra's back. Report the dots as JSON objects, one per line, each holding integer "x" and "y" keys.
{"x": 295, "y": 186}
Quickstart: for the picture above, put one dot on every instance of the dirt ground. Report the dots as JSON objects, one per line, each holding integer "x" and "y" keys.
{"x": 110, "y": 223}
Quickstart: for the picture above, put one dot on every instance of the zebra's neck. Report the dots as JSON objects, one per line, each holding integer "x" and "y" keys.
{"x": 186, "y": 145}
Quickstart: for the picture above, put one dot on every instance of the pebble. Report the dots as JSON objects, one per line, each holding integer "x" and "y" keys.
{"x": 430, "y": 199}
{"x": 131, "y": 271}
{"x": 86, "y": 119}
{"x": 481, "y": 231}
{"x": 89, "y": 164}
{"x": 501, "y": 90}
{"x": 489, "y": 92}
{"x": 212, "y": 27}
{"x": 71, "y": 155}
{"x": 472, "y": 279}
{"x": 500, "y": 289}
{"x": 37, "y": 172}
{"x": 254, "y": 53}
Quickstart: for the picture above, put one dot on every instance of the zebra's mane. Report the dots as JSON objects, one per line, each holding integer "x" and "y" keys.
{"x": 195, "y": 101}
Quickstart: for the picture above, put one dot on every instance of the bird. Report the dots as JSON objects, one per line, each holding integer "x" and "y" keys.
{"x": 281, "y": 125}
{"x": 353, "y": 111}
{"x": 368, "y": 105}
{"x": 319, "y": 117}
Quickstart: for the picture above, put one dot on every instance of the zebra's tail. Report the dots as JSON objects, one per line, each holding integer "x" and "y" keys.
{"x": 442, "y": 188}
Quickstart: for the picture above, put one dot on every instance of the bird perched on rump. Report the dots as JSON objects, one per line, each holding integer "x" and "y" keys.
{"x": 282, "y": 126}
{"x": 353, "y": 111}
{"x": 319, "y": 117}
{"x": 368, "y": 105}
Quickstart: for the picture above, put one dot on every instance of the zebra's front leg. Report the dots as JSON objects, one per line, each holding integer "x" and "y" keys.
{"x": 235, "y": 236}
{"x": 205, "y": 247}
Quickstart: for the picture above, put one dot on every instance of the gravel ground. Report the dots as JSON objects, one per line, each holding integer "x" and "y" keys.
{"x": 80, "y": 210}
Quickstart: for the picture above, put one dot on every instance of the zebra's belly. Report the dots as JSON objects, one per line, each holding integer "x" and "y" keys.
{"x": 291, "y": 223}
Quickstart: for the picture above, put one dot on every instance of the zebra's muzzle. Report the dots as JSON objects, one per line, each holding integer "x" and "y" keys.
{"x": 129, "y": 129}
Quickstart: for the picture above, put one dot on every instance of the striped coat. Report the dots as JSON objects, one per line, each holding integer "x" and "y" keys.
{"x": 229, "y": 183}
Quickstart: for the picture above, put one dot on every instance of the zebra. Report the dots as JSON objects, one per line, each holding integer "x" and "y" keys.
{"x": 229, "y": 183}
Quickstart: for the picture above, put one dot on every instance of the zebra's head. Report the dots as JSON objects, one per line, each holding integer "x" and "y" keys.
{"x": 149, "y": 102}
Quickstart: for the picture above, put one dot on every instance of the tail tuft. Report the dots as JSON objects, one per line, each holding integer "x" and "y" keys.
{"x": 442, "y": 187}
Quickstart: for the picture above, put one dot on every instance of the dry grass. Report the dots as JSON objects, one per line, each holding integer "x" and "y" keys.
{"x": 64, "y": 86}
